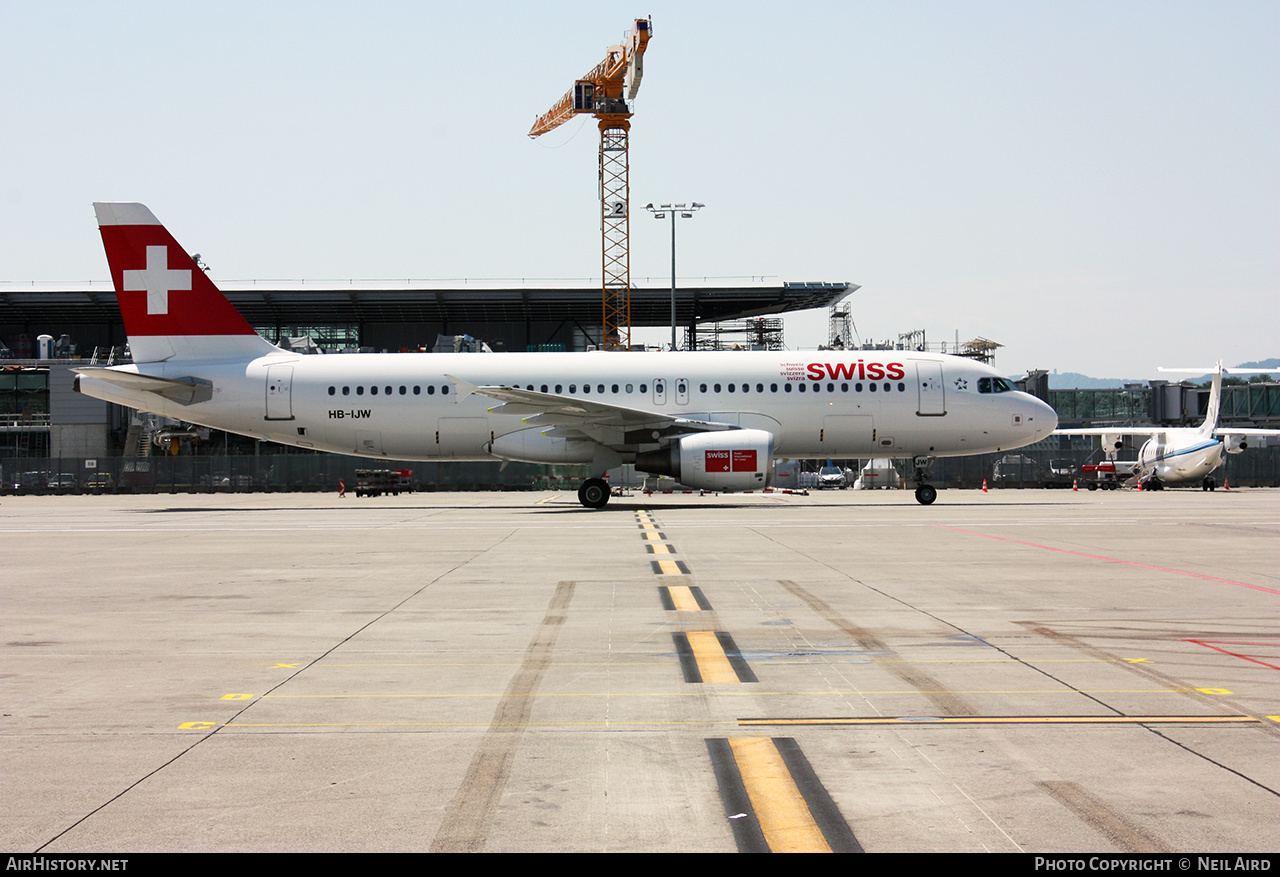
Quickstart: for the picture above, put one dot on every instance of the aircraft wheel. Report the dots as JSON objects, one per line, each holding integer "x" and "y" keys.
{"x": 1210, "y": 483}
{"x": 594, "y": 493}
{"x": 926, "y": 494}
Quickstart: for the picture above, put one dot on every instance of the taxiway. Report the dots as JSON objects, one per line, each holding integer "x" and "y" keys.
{"x": 1039, "y": 671}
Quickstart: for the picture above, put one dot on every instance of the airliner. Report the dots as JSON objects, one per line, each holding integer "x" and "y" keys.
{"x": 713, "y": 421}
{"x": 1181, "y": 455}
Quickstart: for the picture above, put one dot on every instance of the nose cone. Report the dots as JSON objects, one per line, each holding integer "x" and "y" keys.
{"x": 1041, "y": 417}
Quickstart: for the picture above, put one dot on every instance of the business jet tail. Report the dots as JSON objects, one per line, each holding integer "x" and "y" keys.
{"x": 172, "y": 311}
{"x": 1215, "y": 394}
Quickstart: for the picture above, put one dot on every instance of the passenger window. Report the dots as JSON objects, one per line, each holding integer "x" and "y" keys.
{"x": 346, "y": 391}
{"x": 431, "y": 389}
{"x": 333, "y": 391}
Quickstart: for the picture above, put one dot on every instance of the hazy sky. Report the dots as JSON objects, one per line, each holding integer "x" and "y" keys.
{"x": 1095, "y": 185}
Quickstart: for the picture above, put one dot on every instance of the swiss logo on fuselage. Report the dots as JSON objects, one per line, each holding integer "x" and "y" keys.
{"x": 731, "y": 461}
{"x": 855, "y": 371}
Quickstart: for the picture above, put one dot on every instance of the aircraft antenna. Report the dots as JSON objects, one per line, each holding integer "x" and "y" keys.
{"x": 604, "y": 93}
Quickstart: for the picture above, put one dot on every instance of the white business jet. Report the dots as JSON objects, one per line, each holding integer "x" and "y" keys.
{"x": 714, "y": 421}
{"x": 1180, "y": 455}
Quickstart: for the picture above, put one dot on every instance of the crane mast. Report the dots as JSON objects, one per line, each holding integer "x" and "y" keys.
{"x": 604, "y": 93}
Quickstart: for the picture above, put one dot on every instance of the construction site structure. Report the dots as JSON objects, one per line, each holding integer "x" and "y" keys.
{"x": 603, "y": 92}
{"x": 841, "y": 334}
{"x": 980, "y": 349}
{"x": 757, "y": 333}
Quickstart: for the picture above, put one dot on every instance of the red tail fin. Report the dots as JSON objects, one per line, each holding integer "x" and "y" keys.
{"x": 171, "y": 309}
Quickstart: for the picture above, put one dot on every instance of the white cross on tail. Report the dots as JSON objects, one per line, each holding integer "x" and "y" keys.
{"x": 158, "y": 280}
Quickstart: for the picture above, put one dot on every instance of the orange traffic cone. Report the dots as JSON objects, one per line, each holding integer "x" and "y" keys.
{"x": 1226, "y": 484}
{"x": 1074, "y": 485}
{"x": 1139, "y": 484}
{"x": 984, "y": 485}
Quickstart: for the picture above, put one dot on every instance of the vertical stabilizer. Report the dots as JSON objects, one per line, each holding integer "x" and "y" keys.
{"x": 1215, "y": 402}
{"x": 172, "y": 311}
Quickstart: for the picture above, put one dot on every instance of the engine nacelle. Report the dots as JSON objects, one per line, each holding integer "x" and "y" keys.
{"x": 1234, "y": 443}
{"x": 738, "y": 459}
{"x": 1112, "y": 442}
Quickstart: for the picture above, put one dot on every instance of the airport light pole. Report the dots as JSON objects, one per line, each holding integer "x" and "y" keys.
{"x": 685, "y": 211}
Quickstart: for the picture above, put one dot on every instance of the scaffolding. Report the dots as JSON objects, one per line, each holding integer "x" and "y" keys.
{"x": 759, "y": 333}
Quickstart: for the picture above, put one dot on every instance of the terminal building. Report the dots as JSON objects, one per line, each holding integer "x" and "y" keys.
{"x": 51, "y": 436}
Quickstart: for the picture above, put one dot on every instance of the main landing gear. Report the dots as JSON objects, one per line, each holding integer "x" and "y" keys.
{"x": 925, "y": 493}
{"x": 594, "y": 493}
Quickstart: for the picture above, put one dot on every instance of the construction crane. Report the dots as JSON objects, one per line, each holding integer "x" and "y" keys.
{"x": 604, "y": 93}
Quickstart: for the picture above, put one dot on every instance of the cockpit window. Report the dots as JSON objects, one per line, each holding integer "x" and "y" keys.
{"x": 995, "y": 385}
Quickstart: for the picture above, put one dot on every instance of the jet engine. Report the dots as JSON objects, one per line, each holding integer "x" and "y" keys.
{"x": 1112, "y": 442}
{"x": 1234, "y": 443}
{"x": 739, "y": 459}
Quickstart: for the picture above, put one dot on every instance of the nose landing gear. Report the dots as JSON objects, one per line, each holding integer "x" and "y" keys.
{"x": 925, "y": 493}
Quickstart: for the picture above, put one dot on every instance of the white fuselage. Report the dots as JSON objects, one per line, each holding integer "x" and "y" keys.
{"x": 1181, "y": 455}
{"x": 407, "y": 406}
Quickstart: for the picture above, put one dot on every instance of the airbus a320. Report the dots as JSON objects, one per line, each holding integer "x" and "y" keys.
{"x": 714, "y": 421}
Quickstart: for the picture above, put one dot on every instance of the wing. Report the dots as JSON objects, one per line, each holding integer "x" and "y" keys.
{"x": 1154, "y": 430}
{"x": 1232, "y": 430}
{"x": 615, "y": 426}
{"x": 1115, "y": 430}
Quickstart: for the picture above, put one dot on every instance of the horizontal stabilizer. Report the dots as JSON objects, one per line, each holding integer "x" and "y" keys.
{"x": 184, "y": 391}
